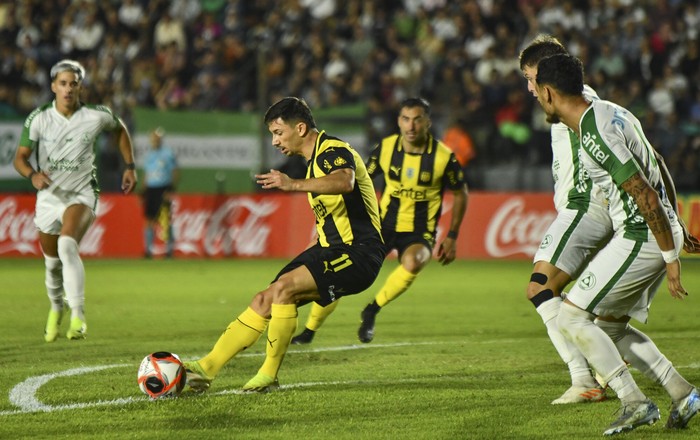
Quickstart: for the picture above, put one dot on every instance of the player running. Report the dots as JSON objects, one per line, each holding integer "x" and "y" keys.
{"x": 417, "y": 170}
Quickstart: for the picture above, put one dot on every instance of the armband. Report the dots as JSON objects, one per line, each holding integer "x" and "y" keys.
{"x": 30, "y": 175}
{"x": 131, "y": 166}
{"x": 669, "y": 256}
{"x": 452, "y": 235}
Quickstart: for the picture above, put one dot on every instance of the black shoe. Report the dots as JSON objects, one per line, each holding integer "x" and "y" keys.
{"x": 304, "y": 337}
{"x": 368, "y": 315}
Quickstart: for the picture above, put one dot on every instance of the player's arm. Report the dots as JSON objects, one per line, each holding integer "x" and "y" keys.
{"x": 690, "y": 242}
{"x": 339, "y": 181}
{"x": 454, "y": 180}
{"x": 459, "y": 207}
{"x": 651, "y": 208}
{"x": 38, "y": 178}
{"x": 126, "y": 148}
{"x": 447, "y": 251}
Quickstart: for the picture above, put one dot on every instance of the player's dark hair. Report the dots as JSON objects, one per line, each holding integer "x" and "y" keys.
{"x": 542, "y": 46}
{"x": 290, "y": 110}
{"x": 416, "y": 102}
{"x": 562, "y": 72}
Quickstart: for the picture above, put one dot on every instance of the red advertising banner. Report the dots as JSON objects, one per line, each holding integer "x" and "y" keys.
{"x": 497, "y": 225}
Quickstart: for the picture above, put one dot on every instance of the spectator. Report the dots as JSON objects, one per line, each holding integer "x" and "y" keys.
{"x": 609, "y": 62}
{"x": 131, "y": 14}
{"x": 89, "y": 35}
{"x": 218, "y": 43}
{"x": 170, "y": 30}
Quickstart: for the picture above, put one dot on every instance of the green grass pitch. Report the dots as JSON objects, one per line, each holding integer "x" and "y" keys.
{"x": 462, "y": 355}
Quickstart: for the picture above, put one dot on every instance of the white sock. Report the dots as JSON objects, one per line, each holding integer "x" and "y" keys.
{"x": 53, "y": 279}
{"x": 577, "y": 325}
{"x": 625, "y": 387}
{"x": 578, "y": 366}
{"x": 73, "y": 275}
{"x": 640, "y": 351}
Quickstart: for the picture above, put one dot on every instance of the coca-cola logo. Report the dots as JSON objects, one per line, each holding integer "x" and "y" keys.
{"x": 512, "y": 230}
{"x": 234, "y": 227}
{"x": 17, "y": 230}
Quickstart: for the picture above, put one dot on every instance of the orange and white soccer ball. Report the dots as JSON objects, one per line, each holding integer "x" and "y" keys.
{"x": 161, "y": 374}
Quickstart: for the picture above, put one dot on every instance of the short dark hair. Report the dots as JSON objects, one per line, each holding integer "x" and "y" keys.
{"x": 416, "y": 102}
{"x": 563, "y": 72}
{"x": 544, "y": 45}
{"x": 290, "y": 110}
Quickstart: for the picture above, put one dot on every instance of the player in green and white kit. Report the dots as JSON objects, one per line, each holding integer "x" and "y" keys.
{"x": 61, "y": 137}
{"x": 620, "y": 281}
{"x": 582, "y": 226}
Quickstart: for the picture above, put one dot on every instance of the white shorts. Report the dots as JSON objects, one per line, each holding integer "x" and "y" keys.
{"x": 572, "y": 238}
{"x": 50, "y": 206}
{"x": 622, "y": 278}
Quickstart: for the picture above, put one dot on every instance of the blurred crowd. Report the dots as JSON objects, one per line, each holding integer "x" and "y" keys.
{"x": 461, "y": 55}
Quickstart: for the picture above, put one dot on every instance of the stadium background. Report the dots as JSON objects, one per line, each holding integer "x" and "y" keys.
{"x": 206, "y": 70}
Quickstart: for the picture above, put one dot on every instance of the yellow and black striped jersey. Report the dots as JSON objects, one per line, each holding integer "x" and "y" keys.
{"x": 343, "y": 218}
{"x": 415, "y": 182}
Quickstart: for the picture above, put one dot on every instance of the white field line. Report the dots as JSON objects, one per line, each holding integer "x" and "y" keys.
{"x": 23, "y": 395}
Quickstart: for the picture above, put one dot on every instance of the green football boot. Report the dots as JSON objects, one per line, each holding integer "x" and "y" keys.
{"x": 77, "y": 330}
{"x": 53, "y": 323}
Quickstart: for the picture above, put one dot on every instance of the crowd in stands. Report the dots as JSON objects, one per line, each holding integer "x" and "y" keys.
{"x": 462, "y": 55}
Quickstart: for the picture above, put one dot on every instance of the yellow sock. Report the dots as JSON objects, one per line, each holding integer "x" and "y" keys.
{"x": 282, "y": 326}
{"x": 239, "y": 335}
{"x": 398, "y": 282}
{"x": 318, "y": 315}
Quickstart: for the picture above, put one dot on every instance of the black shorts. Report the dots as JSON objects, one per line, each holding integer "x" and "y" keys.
{"x": 401, "y": 240}
{"x": 153, "y": 200}
{"x": 340, "y": 270}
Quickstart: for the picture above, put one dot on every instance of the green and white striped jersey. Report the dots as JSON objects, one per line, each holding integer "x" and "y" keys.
{"x": 613, "y": 149}
{"x": 64, "y": 148}
{"x": 573, "y": 188}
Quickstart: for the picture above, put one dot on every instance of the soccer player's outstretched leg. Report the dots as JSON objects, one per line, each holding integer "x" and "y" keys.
{"x": 344, "y": 260}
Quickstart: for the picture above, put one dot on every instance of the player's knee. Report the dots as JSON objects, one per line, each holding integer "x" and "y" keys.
{"x": 616, "y": 330}
{"x": 537, "y": 284}
{"x": 571, "y": 318}
{"x": 413, "y": 265}
{"x": 262, "y": 303}
{"x": 282, "y": 291}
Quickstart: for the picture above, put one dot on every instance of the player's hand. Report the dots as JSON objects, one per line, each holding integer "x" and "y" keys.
{"x": 41, "y": 181}
{"x": 128, "y": 181}
{"x": 691, "y": 244}
{"x": 673, "y": 276}
{"x": 447, "y": 251}
{"x": 275, "y": 179}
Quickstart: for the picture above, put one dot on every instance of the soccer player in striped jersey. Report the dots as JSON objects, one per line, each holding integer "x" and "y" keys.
{"x": 344, "y": 261}
{"x": 582, "y": 226}
{"x": 621, "y": 279}
{"x": 61, "y": 137}
{"x": 417, "y": 170}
